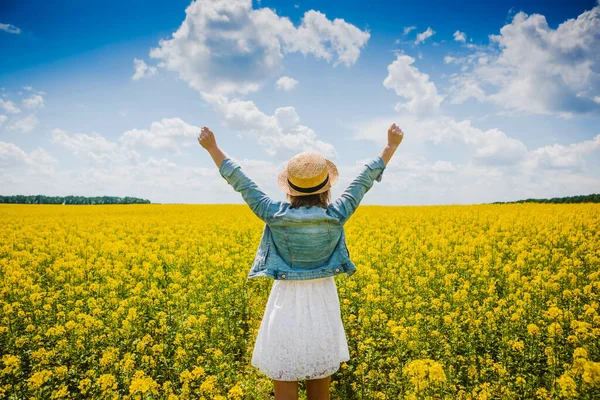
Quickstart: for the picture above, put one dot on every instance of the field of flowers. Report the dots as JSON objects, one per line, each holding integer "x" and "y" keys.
{"x": 152, "y": 301}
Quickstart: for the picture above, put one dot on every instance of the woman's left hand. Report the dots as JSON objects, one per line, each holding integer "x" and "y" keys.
{"x": 206, "y": 138}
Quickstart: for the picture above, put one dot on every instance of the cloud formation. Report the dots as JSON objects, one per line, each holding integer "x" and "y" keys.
{"x": 10, "y": 29}
{"x": 25, "y": 124}
{"x": 93, "y": 147}
{"x": 421, "y": 37}
{"x": 12, "y": 157}
{"x": 286, "y": 83}
{"x": 280, "y": 134}
{"x": 9, "y": 106}
{"x": 408, "y": 82}
{"x": 460, "y": 36}
{"x": 408, "y": 29}
{"x": 487, "y": 164}
{"x": 35, "y": 101}
{"x": 532, "y": 68}
{"x": 168, "y": 134}
{"x": 142, "y": 70}
{"x": 226, "y": 46}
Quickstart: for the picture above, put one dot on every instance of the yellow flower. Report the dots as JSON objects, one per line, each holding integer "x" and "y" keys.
{"x": 554, "y": 329}
{"x": 533, "y": 329}
{"x": 517, "y": 345}
{"x": 235, "y": 393}
{"x": 63, "y": 391}
{"x": 197, "y": 372}
{"x": 107, "y": 382}
{"x": 12, "y": 364}
{"x": 208, "y": 386}
{"x": 553, "y": 313}
{"x": 568, "y": 387}
{"x": 591, "y": 373}
{"x": 109, "y": 356}
{"x": 142, "y": 383}
{"x": 423, "y": 373}
{"x": 128, "y": 362}
{"x": 84, "y": 385}
{"x": 39, "y": 378}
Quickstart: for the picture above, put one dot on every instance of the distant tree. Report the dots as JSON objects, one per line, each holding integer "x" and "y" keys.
{"x": 589, "y": 198}
{"x": 42, "y": 199}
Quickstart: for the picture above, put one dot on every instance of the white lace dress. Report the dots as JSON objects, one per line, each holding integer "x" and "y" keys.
{"x": 301, "y": 335}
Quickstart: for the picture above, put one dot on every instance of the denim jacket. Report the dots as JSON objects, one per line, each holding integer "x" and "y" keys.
{"x": 305, "y": 242}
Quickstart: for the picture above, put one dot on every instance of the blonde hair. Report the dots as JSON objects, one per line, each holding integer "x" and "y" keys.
{"x": 320, "y": 200}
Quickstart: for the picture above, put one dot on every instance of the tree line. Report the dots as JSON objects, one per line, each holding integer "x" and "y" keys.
{"x": 41, "y": 199}
{"x": 586, "y": 198}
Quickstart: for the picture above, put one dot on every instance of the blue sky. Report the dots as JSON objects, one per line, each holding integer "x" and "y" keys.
{"x": 498, "y": 101}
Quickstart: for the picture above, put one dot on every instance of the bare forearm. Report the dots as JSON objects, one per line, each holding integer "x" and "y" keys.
{"x": 217, "y": 155}
{"x": 387, "y": 153}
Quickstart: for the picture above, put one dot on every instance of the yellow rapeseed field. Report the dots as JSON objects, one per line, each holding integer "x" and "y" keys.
{"x": 152, "y": 301}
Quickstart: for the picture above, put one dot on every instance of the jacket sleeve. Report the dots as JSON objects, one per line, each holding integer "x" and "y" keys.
{"x": 344, "y": 206}
{"x": 259, "y": 202}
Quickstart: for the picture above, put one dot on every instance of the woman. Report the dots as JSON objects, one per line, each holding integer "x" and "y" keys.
{"x": 301, "y": 336}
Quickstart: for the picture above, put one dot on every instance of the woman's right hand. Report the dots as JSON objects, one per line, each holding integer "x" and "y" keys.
{"x": 206, "y": 138}
{"x": 395, "y": 135}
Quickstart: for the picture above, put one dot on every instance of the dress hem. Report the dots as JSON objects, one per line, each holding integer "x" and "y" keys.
{"x": 327, "y": 372}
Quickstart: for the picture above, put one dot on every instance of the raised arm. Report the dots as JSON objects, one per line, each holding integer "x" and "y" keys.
{"x": 344, "y": 206}
{"x": 257, "y": 200}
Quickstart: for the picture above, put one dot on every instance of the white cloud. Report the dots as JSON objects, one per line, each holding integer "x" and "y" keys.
{"x": 119, "y": 171}
{"x": 286, "y": 83}
{"x": 415, "y": 86}
{"x": 31, "y": 89}
{"x": 464, "y": 88}
{"x": 142, "y": 70}
{"x": 532, "y": 68}
{"x": 558, "y": 156}
{"x": 154, "y": 178}
{"x": 11, "y": 155}
{"x": 10, "y": 28}
{"x": 26, "y": 124}
{"x": 408, "y": 29}
{"x": 3, "y": 119}
{"x": 38, "y": 161}
{"x": 9, "y": 106}
{"x": 490, "y": 147}
{"x": 449, "y": 59}
{"x": 421, "y": 37}
{"x": 226, "y": 47}
{"x": 443, "y": 166}
{"x": 94, "y": 147}
{"x": 460, "y": 36}
{"x": 280, "y": 134}
{"x": 82, "y": 143}
{"x": 487, "y": 166}
{"x": 35, "y": 101}
{"x": 169, "y": 134}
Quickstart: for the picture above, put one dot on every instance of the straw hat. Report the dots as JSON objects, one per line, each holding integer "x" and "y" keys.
{"x": 307, "y": 173}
